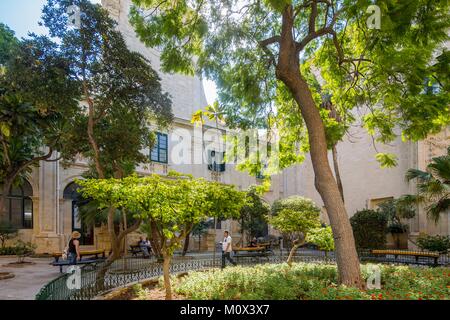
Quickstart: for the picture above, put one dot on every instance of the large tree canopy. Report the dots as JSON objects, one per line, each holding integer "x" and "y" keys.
{"x": 37, "y": 97}
{"x": 399, "y": 73}
{"x": 121, "y": 91}
{"x": 276, "y": 61}
{"x": 120, "y": 99}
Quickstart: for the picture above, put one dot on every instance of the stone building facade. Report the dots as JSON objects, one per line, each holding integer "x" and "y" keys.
{"x": 48, "y": 200}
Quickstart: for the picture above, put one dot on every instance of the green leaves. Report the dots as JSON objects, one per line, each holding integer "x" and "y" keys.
{"x": 322, "y": 237}
{"x": 386, "y": 160}
{"x": 37, "y": 95}
{"x": 5, "y": 129}
{"x": 433, "y": 185}
{"x": 294, "y": 214}
{"x": 387, "y": 79}
{"x": 278, "y": 5}
{"x": 7, "y": 43}
{"x": 176, "y": 26}
{"x": 125, "y": 92}
{"x": 175, "y": 203}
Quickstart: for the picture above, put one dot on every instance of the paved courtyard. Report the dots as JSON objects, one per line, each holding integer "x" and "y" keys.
{"x": 28, "y": 280}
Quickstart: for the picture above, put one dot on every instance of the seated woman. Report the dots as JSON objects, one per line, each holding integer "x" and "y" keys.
{"x": 253, "y": 242}
{"x": 144, "y": 247}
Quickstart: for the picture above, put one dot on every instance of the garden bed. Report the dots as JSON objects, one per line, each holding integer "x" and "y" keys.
{"x": 312, "y": 282}
{"x": 19, "y": 264}
{"x": 6, "y": 275}
{"x": 303, "y": 281}
{"x": 145, "y": 290}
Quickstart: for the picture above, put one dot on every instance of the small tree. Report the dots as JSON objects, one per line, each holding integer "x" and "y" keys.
{"x": 322, "y": 237}
{"x": 295, "y": 217}
{"x": 397, "y": 210}
{"x": 173, "y": 205}
{"x": 23, "y": 250}
{"x": 7, "y": 231}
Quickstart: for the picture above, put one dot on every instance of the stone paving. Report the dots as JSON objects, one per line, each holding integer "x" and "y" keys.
{"x": 28, "y": 279}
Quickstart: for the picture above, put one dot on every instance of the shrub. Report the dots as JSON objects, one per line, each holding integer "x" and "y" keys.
{"x": 20, "y": 249}
{"x": 369, "y": 229}
{"x": 7, "y": 251}
{"x": 7, "y": 231}
{"x": 433, "y": 243}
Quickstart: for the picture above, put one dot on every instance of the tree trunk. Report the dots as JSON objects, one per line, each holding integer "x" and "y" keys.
{"x": 166, "y": 272}
{"x": 154, "y": 241}
{"x": 186, "y": 244}
{"x": 287, "y": 71}
{"x": 5, "y": 191}
{"x": 296, "y": 245}
{"x": 337, "y": 172}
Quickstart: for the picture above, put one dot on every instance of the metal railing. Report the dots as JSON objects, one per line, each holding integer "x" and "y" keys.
{"x": 129, "y": 270}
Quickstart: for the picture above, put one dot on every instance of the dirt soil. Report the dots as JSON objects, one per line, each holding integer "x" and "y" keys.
{"x": 19, "y": 264}
{"x": 154, "y": 292}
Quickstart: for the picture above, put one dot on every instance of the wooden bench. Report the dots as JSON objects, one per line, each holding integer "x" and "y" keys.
{"x": 92, "y": 262}
{"x": 252, "y": 252}
{"x": 135, "y": 249}
{"x": 416, "y": 254}
{"x": 86, "y": 253}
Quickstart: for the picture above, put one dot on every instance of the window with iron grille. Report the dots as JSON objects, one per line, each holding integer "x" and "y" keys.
{"x": 159, "y": 152}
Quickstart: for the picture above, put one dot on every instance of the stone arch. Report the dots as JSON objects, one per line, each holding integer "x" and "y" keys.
{"x": 72, "y": 202}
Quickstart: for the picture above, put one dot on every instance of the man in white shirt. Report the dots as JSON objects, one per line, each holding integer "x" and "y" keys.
{"x": 226, "y": 249}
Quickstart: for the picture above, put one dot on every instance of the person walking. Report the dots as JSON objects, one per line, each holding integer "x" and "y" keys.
{"x": 73, "y": 252}
{"x": 226, "y": 249}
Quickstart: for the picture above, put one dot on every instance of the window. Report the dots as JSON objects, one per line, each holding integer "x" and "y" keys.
{"x": 216, "y": 161}
{"x": 87, "y": 231}
{"x": 260, "y": 175}
{"x": 160, "y": 150}
{"x": 375, "y": 203}
{"x": 19, "y": 207}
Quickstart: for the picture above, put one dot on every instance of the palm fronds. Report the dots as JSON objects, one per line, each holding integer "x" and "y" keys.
{"x": 433, "y": 186}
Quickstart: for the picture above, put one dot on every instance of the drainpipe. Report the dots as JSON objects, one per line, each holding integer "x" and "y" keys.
{"x": 58, "y": 218}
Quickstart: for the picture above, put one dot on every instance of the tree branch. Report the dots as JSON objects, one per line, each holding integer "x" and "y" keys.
{"x": 312, "y": 17}
{"x": 134, "y": 227}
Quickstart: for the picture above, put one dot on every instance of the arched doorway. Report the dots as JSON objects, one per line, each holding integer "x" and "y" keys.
{"x": 19, "y": 207}
{"x": 87, "y": 231}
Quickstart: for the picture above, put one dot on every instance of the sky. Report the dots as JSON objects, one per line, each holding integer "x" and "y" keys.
{"x": 23, "y": 16}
